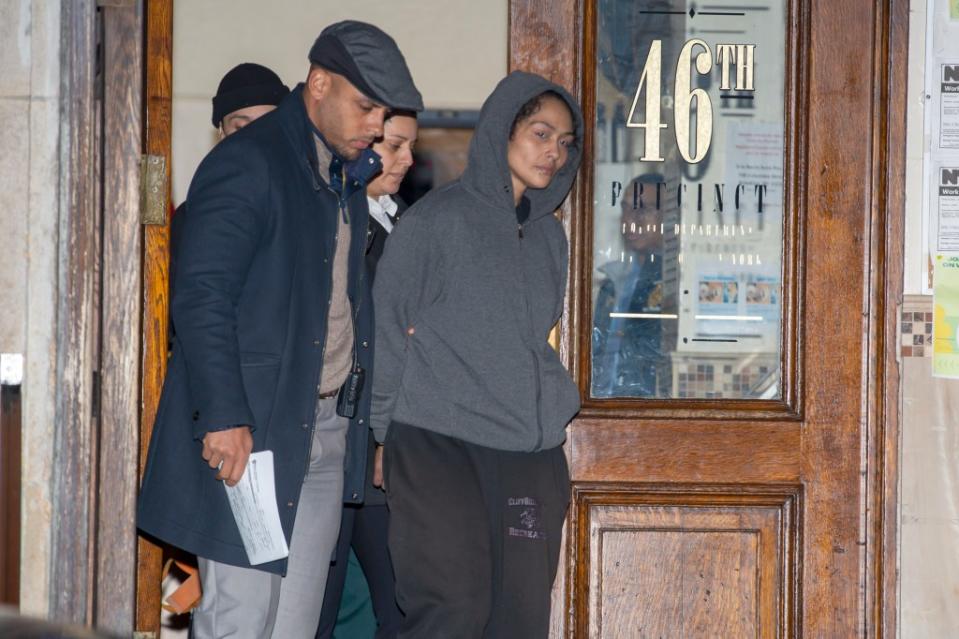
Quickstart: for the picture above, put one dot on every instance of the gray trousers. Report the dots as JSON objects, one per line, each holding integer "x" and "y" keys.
{"x": 246, "y": 603}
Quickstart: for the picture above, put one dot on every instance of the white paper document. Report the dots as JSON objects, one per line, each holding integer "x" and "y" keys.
{"x": 253, "y": 501}
{"x": 949, "y": 106}
{"x": 948, "y": 222}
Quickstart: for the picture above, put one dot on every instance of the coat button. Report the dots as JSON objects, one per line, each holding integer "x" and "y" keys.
{"x": 359, "y": 421}
{"x": 356, "y": 495}
{"x": 289, "y": 504}
{"x": 326, "y": 260}
{"x": 366, "y": 344}
{"x": 316, "y": 342}
{"x": 196, "y": 415}
{"x": 304, "y": 425}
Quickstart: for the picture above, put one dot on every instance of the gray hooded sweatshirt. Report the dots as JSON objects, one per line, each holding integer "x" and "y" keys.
{"x": 481, "y": 295}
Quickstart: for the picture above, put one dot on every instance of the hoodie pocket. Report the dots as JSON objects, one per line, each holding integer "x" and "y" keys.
{"x": 436, "y": 362}
{"x": 434, "y": 377}
{"x": 560, "y": 396}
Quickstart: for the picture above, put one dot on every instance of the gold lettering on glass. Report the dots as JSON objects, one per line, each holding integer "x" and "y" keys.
{"x": 684, "y": 101}
{"x": 687, "y": 225}
{"x": 725, "y": 56}
{"x": 744, "y": 66}
{"x": 651, "y": 79}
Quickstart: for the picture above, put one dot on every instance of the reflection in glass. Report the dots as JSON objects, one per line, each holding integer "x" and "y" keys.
{"x": 688, "y": 199}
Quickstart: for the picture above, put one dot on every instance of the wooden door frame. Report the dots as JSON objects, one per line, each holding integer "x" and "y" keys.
{"x": 112, "y": 310}
{"x": 882, "y": 482}
{"x": 547, "y": 37}
{"x": 72, "y": 536}
{"x": 97, "y": 395}
{"x": 158, "y": 100}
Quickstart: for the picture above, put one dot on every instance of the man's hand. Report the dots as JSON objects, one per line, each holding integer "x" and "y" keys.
{"x": 232, "y": 449}
{"x": 378, "y": 467}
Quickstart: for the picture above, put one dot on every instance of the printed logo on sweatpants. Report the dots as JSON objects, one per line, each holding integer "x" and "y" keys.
{"x": 523, "y": 518}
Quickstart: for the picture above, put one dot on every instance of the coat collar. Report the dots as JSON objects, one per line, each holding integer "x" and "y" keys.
{"x": 299, "y": 131}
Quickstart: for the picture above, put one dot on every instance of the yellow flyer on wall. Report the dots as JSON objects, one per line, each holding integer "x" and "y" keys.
{"x": 945, "y": 329}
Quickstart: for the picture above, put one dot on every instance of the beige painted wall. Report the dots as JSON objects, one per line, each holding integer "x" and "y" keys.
{"x": 929, "y": 480}
{"x": 929, "y": 504}
{"x": 456, "y": 50}
{"x": 29, "y": 172}
{"x": 915, "y": 269}
{"x": 15, "y": 52}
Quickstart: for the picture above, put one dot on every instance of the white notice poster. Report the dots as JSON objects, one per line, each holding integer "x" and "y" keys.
{"x": 949, "y": 106}
{"x": 947, "y": 237}
{"x": 253, "y": 501}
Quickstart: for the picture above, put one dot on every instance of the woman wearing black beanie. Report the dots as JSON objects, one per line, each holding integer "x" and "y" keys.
{"x": 246, "y": 92}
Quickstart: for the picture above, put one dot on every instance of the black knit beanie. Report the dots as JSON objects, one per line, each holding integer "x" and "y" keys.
{"x": 246, "y": 85}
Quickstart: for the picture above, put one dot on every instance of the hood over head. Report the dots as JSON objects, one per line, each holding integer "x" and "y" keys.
{"x": 487, "y": 172}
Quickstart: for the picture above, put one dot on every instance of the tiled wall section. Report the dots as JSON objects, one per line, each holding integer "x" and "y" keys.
{"x": 722, "y": 377}
{"x": 915, "y": 327}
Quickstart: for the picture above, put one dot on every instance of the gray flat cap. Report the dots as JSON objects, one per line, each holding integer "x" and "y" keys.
{"x": 369, "y": 58}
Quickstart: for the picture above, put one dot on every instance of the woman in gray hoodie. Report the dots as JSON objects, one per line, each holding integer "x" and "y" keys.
{"x": 468, "y": 395}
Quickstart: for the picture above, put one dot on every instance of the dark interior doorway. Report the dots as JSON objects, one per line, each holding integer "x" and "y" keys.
{"x": 10, "y": 438}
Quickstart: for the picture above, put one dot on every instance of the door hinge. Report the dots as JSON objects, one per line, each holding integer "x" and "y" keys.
{"x": 153, "y": 189}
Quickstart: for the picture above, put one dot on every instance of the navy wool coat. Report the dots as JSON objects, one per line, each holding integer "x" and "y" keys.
{"x": 251, "y": 297}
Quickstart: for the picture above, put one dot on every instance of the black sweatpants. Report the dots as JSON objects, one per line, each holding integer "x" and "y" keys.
{"x": 474, "y": 535}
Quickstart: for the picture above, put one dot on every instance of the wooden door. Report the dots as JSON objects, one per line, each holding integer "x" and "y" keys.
{"x": 158, "y": 88}
{"x": 718, "y": 514}
{"x": 712, "y": 517}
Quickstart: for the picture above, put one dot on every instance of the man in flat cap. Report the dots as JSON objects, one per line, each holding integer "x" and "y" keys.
{"x": 274, "y": 337}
